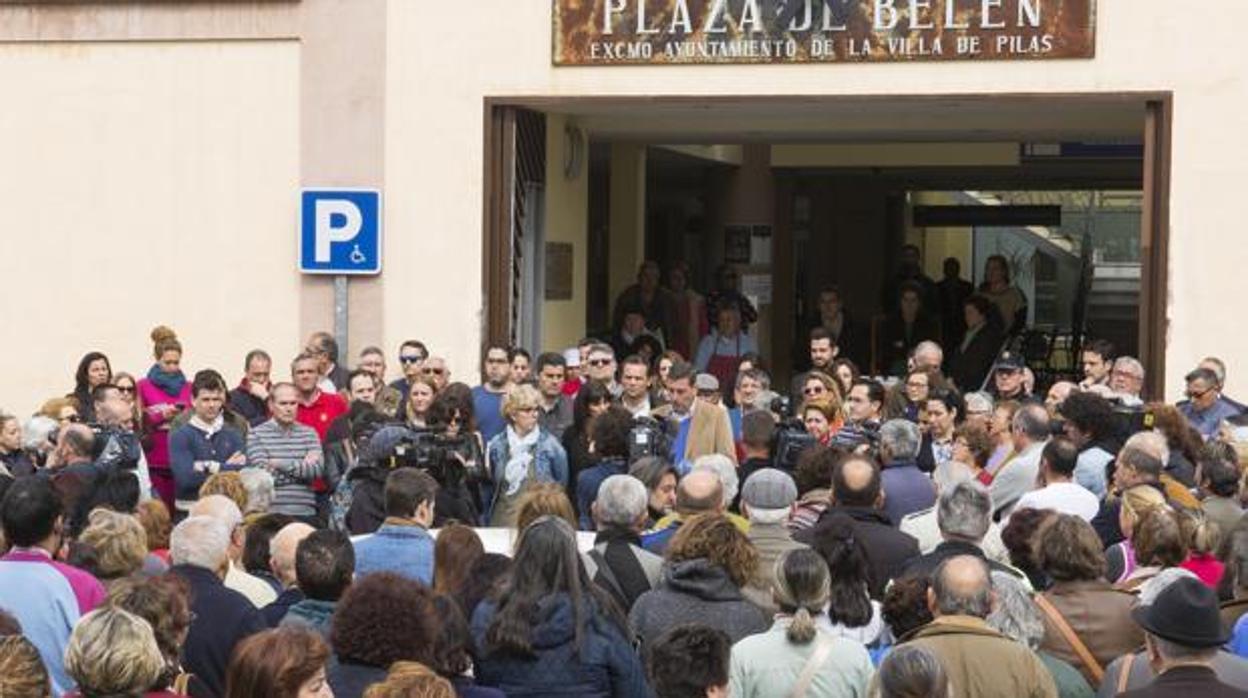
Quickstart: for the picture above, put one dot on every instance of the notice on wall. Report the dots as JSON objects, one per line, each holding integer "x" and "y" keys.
{"x": 668, "y": 32}
{"x": 737, "y": 244}
{"x": 558, "y": 271}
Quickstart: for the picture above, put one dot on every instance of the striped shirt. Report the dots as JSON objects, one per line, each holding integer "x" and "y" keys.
{"x": 282, "y": 450}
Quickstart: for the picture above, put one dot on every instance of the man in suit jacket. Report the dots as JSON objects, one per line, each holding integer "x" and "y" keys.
{"x": 699, "y": 427}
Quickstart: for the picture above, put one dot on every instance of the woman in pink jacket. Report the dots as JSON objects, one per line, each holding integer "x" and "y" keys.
{"x": 162, "y": 395}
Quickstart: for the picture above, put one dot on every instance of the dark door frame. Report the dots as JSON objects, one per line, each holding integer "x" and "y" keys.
{"x": 1156, "y": 119}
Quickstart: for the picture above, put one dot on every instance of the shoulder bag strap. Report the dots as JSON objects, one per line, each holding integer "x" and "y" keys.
{"x": 182, "y": 684}
{"x": 823, "y": 648}
{"x": 1085, "y": 656}
{"x": 1124, "y": 677}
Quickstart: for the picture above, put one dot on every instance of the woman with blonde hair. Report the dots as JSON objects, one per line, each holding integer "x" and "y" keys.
{"x": 163, "y": 394}
{"x": 418, "y": 400}
{"x": 796, "y": 657}
{"x": 411, "y": 680}
{"x": 543, "y": 499}
{"x": 22, "y": 674}
{"x": 120, "y": 544}
{"x": 522, "y": 455}
{"x": 1120, "y": 557}
{"x": 113, "y": 653}
{"x": 228, "y": 484}
{"x": 63, "y": 409}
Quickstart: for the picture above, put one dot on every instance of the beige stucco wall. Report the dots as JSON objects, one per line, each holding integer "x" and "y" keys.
{"x": 171, "y": 167}
{"x": 145, "y": 183}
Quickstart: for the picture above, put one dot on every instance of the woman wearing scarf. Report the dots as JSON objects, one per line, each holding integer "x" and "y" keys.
{"x": 162, "y": 395}
{"x": 524, "y": 453}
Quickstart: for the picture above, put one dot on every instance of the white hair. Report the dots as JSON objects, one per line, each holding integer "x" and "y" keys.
{"x": 1150, "y": 590}
{"x": 930, "y": 348}
{"x": 950, "y": 473}
{"x": 769, "y": 516}
{"x": 902, "y": 439}
{"x": 221, "y": 508}
{"x": 283, "y": 546}
{"x": 621, "y": 501}
{"x": 36, "y": 430}
{"x": 200, "y": 541}
{"x": 722, "y": 466}
{"x": 259, "y": 485}
{"x": 1150, "y": 442}
{"x": 979, "y": 401}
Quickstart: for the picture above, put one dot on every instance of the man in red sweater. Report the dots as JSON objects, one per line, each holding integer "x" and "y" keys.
{"x": 317, "y": 409}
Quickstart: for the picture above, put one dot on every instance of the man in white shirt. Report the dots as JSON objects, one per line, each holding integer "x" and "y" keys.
{"x": 1060, "y": 493}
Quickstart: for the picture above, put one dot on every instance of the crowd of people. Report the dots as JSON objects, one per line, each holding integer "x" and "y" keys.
{"x": 675, "y": 529}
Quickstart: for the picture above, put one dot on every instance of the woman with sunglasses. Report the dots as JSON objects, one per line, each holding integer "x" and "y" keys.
{"x": 93, "y": 371}
{"x": 128, "y": 387}
{"x": 62, "y": 409}
{"x": 593, "y": 399}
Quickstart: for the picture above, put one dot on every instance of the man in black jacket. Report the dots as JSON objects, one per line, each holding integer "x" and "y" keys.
{"x": 199, "y": 550}
{"x": 857, "y": 494}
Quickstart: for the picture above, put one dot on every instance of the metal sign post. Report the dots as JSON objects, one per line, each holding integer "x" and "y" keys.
{"x": 340, "y": 234}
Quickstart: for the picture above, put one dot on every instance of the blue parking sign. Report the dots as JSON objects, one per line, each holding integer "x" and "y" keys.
{"x": 340, "y": 231}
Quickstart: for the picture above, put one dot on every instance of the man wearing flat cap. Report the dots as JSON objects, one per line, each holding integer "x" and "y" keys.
{"x": 1183, "y": 631}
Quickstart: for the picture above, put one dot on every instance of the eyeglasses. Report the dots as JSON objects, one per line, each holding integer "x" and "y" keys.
{"x": 814, "y": 390}
{"x": 411, "y": 359}
{"x": 125, "y": 388}
{"x": 1193, "y": 395}
{"x": 527, "y": 410}
{"x": 600, "y": 362}
{"x": 72, "y": 419}
{"x": 432, "y": 371}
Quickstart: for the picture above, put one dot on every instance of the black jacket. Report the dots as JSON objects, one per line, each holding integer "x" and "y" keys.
{"x": 223, "y": 618}
{"x": 896, "y": 340}
{"x": 1186, "y": 681}
{"x": 888, "y": 550}
{"x": 969, "y": 367}
{"x": 248, "y": 406}
{"x": 350, "y": 680}
{"x": 925, "y": 565}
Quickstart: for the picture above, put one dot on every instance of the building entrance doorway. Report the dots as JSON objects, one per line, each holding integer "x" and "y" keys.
{"x": 801, "y": 195}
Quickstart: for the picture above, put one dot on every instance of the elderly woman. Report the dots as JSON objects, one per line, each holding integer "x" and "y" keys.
{"x": 708, "y": 562}
{"x": 720, "y": 351}
{"x": 113, "y": 653}
{"x": 822, "y": 419}
{"x": 165, "y": 604}
{"x": 911, "y": 671}
{"x": 1069, "y": 552}
{"x": 549, "y": 630}
{"x": 288, "y": 662}
{"x": 120, "y": 545}
{"x": 1017, "y": 617}
{"x": 908, "y": 398}
{"x": 773, "y": 662}
{"x": 524, "y": 453}
{"x": 972, "y": 446}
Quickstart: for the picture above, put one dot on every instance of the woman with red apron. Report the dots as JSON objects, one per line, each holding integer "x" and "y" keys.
{"x": 719, "y": 353}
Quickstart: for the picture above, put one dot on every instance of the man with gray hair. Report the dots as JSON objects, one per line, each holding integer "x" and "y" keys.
{"x": 924, "y": 526}
{"x": 259, "y": 485}
{"x": 963, "y": 513}
{"x": 1141, "y": 461}
{"x": 1029, "y": 431}
{"x": 722, "y": 466}
{"x": 617, "y": 562}
{"x": 906, "y": 488}
{"x": 980, "y": 661}
{"x": 1218, "y": 366}
{"x": 225, "y": 511}
{"x": 199, "y": 549}
{"x": 928, "y": 356}
{"x": 767, "y": 500}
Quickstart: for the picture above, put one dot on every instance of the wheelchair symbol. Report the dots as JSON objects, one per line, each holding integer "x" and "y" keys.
{"x": 357, "y": 257}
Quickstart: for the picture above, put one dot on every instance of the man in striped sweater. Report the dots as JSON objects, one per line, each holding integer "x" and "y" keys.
{"x": 291, "y": 452}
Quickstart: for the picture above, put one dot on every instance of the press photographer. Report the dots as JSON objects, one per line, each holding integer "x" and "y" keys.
{"x": 397, "y": 447}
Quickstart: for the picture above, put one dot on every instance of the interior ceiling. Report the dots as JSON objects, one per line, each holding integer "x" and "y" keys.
{"x": 834, "y": 120}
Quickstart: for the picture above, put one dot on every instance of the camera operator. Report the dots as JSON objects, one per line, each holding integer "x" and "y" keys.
{"x": 396, "y": 447}
{"x": 119, "y": 447}
{"x": 863, "y": 409}
{"x": 608, "y": 443}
